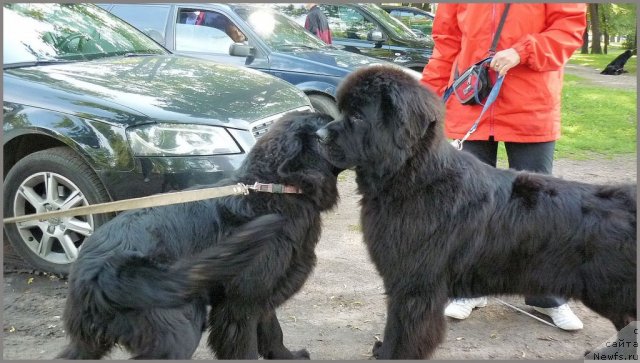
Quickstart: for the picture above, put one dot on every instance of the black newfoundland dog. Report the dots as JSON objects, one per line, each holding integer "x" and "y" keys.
{"x": 438, "y": 223}
{"x": 144, "y": 280}
{"x": 616, "y": 67}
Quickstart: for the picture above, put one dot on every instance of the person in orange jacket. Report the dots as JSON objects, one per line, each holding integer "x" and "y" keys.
{"x": 535, "y": 43}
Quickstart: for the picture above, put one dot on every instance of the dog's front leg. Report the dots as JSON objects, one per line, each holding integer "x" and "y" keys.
{"x": 415, "y": 326}
{"x": 270, "y": 340}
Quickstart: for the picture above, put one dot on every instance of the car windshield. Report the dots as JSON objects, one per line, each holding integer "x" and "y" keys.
{"x": 278, "y": 31}
{"x": 52, "y": 33}
{"x": 394, "y": 25}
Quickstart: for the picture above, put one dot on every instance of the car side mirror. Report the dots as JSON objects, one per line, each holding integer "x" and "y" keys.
{"x": 375, "y": 35}
{"x": 241, "y": 50}
{"x": 155, "y": 35}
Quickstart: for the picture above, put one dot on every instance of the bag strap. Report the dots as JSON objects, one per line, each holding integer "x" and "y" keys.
{"x": 494, "y": 43}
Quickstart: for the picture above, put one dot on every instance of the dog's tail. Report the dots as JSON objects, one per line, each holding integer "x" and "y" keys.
{"x": 141, "y": 283}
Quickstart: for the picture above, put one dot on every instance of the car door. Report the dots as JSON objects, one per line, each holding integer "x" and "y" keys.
{"x": 353, "y": 31}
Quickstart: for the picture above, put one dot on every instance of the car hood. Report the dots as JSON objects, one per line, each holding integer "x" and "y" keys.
{"x": 136, "y": 90}
{"x": 325, "y": 61}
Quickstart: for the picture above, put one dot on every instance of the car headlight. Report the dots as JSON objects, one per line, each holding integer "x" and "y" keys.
{"x": 180, "y": 140}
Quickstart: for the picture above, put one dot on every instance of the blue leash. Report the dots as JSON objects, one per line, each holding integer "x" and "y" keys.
{"x": 457, "y": 143}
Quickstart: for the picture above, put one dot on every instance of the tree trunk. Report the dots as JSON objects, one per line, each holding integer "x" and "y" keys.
{"x": 596, "y": 48}
{"x": 605, "y": 28}
{"x": 585, "y": 38}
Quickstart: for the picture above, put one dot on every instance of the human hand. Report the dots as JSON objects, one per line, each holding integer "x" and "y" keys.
{"x": 504, "y": 60}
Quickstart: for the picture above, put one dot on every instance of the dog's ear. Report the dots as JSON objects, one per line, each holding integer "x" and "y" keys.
{"x": 413, "y": 110}
{"x": 303, "y": 165}
{"x": 303, "y": 168}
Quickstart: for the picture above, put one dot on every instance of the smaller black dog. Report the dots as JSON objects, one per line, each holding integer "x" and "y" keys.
{"x": 616, "y": 66}
{"x": 144, "y": 279}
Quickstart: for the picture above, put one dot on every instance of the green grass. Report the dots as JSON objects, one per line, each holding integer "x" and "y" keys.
{"x": 600, "y": 61}
{"x": 596, "y": 122}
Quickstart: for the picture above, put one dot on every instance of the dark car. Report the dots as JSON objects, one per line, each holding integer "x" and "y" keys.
{"x": 420, "y": 21}
{"x": 367, "y": 29}
{"x": 253, "y": 36}
{"x": 95, "y": 111}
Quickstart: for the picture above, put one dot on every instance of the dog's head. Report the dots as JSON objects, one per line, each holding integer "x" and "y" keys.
{"x": 289, "y": 153}
{"x": 386, "y": 116}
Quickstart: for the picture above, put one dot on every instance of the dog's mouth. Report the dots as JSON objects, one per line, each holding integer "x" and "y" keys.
{"x": 330, "y": 149}
{"x": 336, "y": 158}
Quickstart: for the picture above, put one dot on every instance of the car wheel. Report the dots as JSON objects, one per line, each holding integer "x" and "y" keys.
{"x": 44, "y": 181}
{"x": 325, "y": 105}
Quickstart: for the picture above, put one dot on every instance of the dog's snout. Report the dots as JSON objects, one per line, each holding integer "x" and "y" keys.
{"x": 323, "y": 135}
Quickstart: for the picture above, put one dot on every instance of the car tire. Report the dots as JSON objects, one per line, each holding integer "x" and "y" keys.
{"x": 325, "y": 105}
{"x": 47, "y": 180}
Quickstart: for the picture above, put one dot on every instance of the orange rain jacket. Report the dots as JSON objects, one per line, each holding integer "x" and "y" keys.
{"x": 528, "y": 106}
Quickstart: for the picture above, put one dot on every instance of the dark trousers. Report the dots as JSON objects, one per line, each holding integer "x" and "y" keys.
{"x": 535, "y": 157}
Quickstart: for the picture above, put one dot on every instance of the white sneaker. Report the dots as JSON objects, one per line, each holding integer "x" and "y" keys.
{"x": 562, "y": 317}
{"x": 461, "y": 308}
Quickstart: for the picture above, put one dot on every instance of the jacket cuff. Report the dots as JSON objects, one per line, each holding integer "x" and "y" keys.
{"x": 523, "y": 48}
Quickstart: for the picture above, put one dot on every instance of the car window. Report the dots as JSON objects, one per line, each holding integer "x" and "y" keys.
{"x": 206, "y": 31}
{"x": 346, "y": 22}
{"x": 277, "y": 30}
{"x": 151, "y": 19}
{"x": 68, "y": 32}
{"x": 414, "y": 20}
{"x": 393, "y": 25}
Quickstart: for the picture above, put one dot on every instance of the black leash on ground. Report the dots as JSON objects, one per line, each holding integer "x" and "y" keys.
{"x": 159, "y": 200}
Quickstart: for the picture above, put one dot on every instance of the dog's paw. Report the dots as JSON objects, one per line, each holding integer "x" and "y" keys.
{"x": 376, "y": 349}
{"x": 301, "y": 354}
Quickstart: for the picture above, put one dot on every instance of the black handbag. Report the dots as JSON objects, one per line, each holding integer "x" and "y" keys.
{"x": 473, "y": 86}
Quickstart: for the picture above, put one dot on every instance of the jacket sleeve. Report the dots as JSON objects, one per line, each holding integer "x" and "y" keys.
{"x": 446, "y": 37}
{"x": 552, "y": 48}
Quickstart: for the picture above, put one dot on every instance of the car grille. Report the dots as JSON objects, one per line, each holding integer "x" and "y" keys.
{"x": 260, "y": 127}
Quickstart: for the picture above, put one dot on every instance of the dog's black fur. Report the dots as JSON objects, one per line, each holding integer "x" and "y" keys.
{"x": 438, "y": 223}
{"x": 616, "y": 66}
{"x": 144, "y": 279}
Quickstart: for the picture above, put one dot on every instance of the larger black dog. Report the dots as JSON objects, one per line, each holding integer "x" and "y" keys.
{"x": 144, "y": 280}
{"x": 439, "y": 223}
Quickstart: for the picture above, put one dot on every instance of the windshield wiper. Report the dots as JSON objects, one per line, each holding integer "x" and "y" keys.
{"x": 127, "y": 55}
{"x": 297, "y": 45}
{"x": 36, "y": 63}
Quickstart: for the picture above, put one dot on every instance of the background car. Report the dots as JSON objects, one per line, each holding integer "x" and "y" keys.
{"x": 265, "y": 40}
{"x": 369, "y": 30}
{"x": 94, "y": 111}
{"x": 418, "y": 20}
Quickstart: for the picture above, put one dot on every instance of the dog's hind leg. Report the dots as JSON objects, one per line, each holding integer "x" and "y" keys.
{"x": 270, "y": 340}
{"x": 415, "y": 327}
{"x": 165, "y": 333}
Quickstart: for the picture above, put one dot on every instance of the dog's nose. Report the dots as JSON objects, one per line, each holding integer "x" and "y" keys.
{"x": 323, "y": 135}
